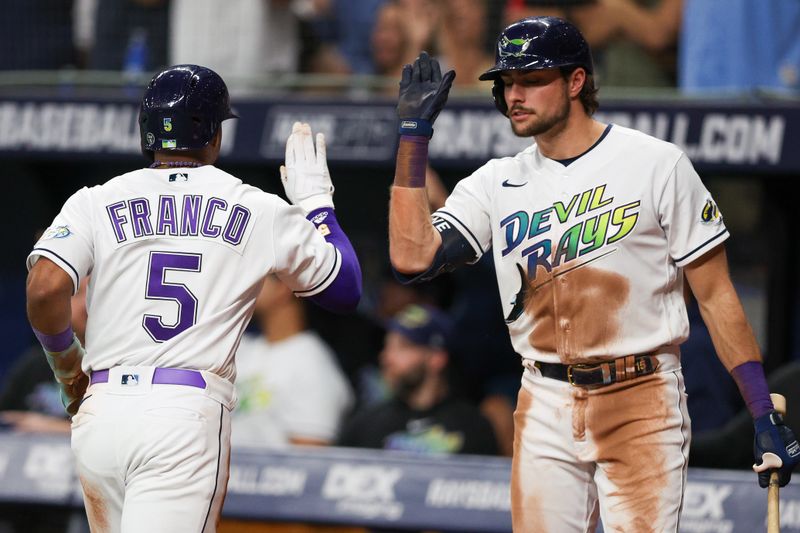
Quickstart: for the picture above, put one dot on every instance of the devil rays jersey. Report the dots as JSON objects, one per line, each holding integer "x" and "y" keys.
{"x": 177, "y": 258}
{"x": 589, "y": 256}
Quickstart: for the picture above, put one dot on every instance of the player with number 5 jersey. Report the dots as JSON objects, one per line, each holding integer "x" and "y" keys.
{"x": 177, "y": 254}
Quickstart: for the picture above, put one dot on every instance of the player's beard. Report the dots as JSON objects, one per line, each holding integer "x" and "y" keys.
{"x": 542, "y": 123}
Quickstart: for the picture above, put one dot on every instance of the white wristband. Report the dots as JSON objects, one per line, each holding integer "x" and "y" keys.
{"x": 315, "y": 202}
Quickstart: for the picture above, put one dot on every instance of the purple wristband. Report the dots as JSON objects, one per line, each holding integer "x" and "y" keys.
{"x": 752, "y": 384}
{"x": 344, "y": 293}
{"x": 55, "y": 343}
{"x": 412, "y": 160}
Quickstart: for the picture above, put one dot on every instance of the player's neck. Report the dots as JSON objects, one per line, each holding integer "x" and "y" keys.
{"x": 174, "y": 159}
{"x": 578, "y": 135}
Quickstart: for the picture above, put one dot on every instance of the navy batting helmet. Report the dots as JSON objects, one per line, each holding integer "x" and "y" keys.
{"x": 182, "y": 109}
{"x": 534, "y": 44}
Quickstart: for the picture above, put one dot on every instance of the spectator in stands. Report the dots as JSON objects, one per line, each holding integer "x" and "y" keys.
{"x": 424, "y": 416}
{"x": 29, "y": 399}
{"x": 462, "y": 41}
{"x": 129, "y": 35}
{"x": 344, "y": 28}
{"x": 633, "y": 41}
{"x": 740, "y": 46}
{"x": 242, "y": 40}
{"x": 291, "y": 389}
{"x": 402, "y": 29}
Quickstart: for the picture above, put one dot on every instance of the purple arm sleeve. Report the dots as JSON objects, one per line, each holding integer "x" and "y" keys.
{"x": 344, "y": 293}
{"x": 752, "y": 384}
{"x": 55, "y": 343}
{"x": 412, "y": 159}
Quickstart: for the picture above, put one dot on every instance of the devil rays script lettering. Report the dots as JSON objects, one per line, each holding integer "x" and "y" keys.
{"x": 540, "y": 247}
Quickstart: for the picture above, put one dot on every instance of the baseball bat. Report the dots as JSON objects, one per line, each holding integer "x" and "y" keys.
{"x": 773, "y": 492}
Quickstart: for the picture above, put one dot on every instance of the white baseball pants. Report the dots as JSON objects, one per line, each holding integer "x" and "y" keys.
{"x": 153, "y": 458}
{"x": 620, "y": 451}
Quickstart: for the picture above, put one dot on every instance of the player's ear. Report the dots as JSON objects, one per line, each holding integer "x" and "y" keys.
{"x": 216, "y": 141}
{"x": 575, "y": 82}
{"x": 210, "y": 152}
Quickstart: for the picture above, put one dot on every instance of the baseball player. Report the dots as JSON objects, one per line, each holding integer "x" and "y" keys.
{"x": 177, "y": 254}
{"x": 592, "y": 229}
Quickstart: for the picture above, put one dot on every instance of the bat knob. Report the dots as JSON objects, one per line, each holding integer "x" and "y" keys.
{"x": 779, "y": 401}
{"x": 768, "y": 460}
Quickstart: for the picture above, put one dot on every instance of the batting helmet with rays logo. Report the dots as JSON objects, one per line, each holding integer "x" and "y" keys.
{"x": 182, "y": 109}
{"x": 534, "y": 44}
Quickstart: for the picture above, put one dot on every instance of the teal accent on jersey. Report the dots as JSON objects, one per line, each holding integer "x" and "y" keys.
{"x": 591, "y": 222}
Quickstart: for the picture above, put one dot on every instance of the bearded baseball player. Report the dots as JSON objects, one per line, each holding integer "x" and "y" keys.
{"x": 592, "y": 229}
{"x": 177, "y": 254}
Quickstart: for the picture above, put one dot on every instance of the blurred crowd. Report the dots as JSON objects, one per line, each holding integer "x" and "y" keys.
{"x": 696, "y": 45}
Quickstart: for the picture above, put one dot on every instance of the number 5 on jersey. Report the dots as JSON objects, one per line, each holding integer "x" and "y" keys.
{"x": 160, "y": 289}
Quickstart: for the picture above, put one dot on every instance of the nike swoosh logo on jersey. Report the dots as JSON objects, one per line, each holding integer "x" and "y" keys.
{"x": 507, "y": 184}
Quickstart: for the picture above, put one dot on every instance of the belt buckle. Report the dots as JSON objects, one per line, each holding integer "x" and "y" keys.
{"x": 569, "y": 372}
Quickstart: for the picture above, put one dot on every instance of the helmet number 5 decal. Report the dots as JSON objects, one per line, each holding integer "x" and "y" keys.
{"x": 158, "y": 288}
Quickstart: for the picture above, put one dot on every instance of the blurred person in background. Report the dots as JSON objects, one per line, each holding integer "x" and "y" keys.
{"x": 461, "y": 40}
{"x": 634, "y": 41}
{"x": 402, "y": 28}
{"x": 423, "y": 415}
{"x": 344, "y": 28}
{"x": 740, "y": 46}
{"x": 29, "y": 399}
{"x": 291, "y": 389}
{"x": 242, "y": 40}
{"x": 129, "y": 35}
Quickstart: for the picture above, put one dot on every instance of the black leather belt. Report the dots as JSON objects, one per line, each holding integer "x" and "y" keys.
{"x": 600, "y": 374}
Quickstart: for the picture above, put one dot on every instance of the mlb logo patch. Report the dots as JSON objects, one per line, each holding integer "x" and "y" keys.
{"x": 130, "y": 379}
{"x": 178, "y": 176}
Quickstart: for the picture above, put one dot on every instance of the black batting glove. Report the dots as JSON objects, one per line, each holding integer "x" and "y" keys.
{"x": 423, "y": 93}
{"x": 772, "y": 436}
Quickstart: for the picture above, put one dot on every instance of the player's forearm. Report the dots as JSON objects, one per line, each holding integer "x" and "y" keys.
{"x": 721, "y": 309}
{"x": 733, "y": 338}
{"x": 412, "y": 239}
{"x": 737, "y": 348}
{"x": 344, "y": 293}
{"x": 730, "y": 331}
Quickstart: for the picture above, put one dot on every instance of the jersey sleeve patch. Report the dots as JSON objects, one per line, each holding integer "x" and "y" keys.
{"x": 710, "y": 214}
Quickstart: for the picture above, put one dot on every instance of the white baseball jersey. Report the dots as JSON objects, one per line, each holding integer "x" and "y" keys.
{"x": 177, "y": 258}
{"x": 293, "y": 388}
{"x": 589, "y": 255}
